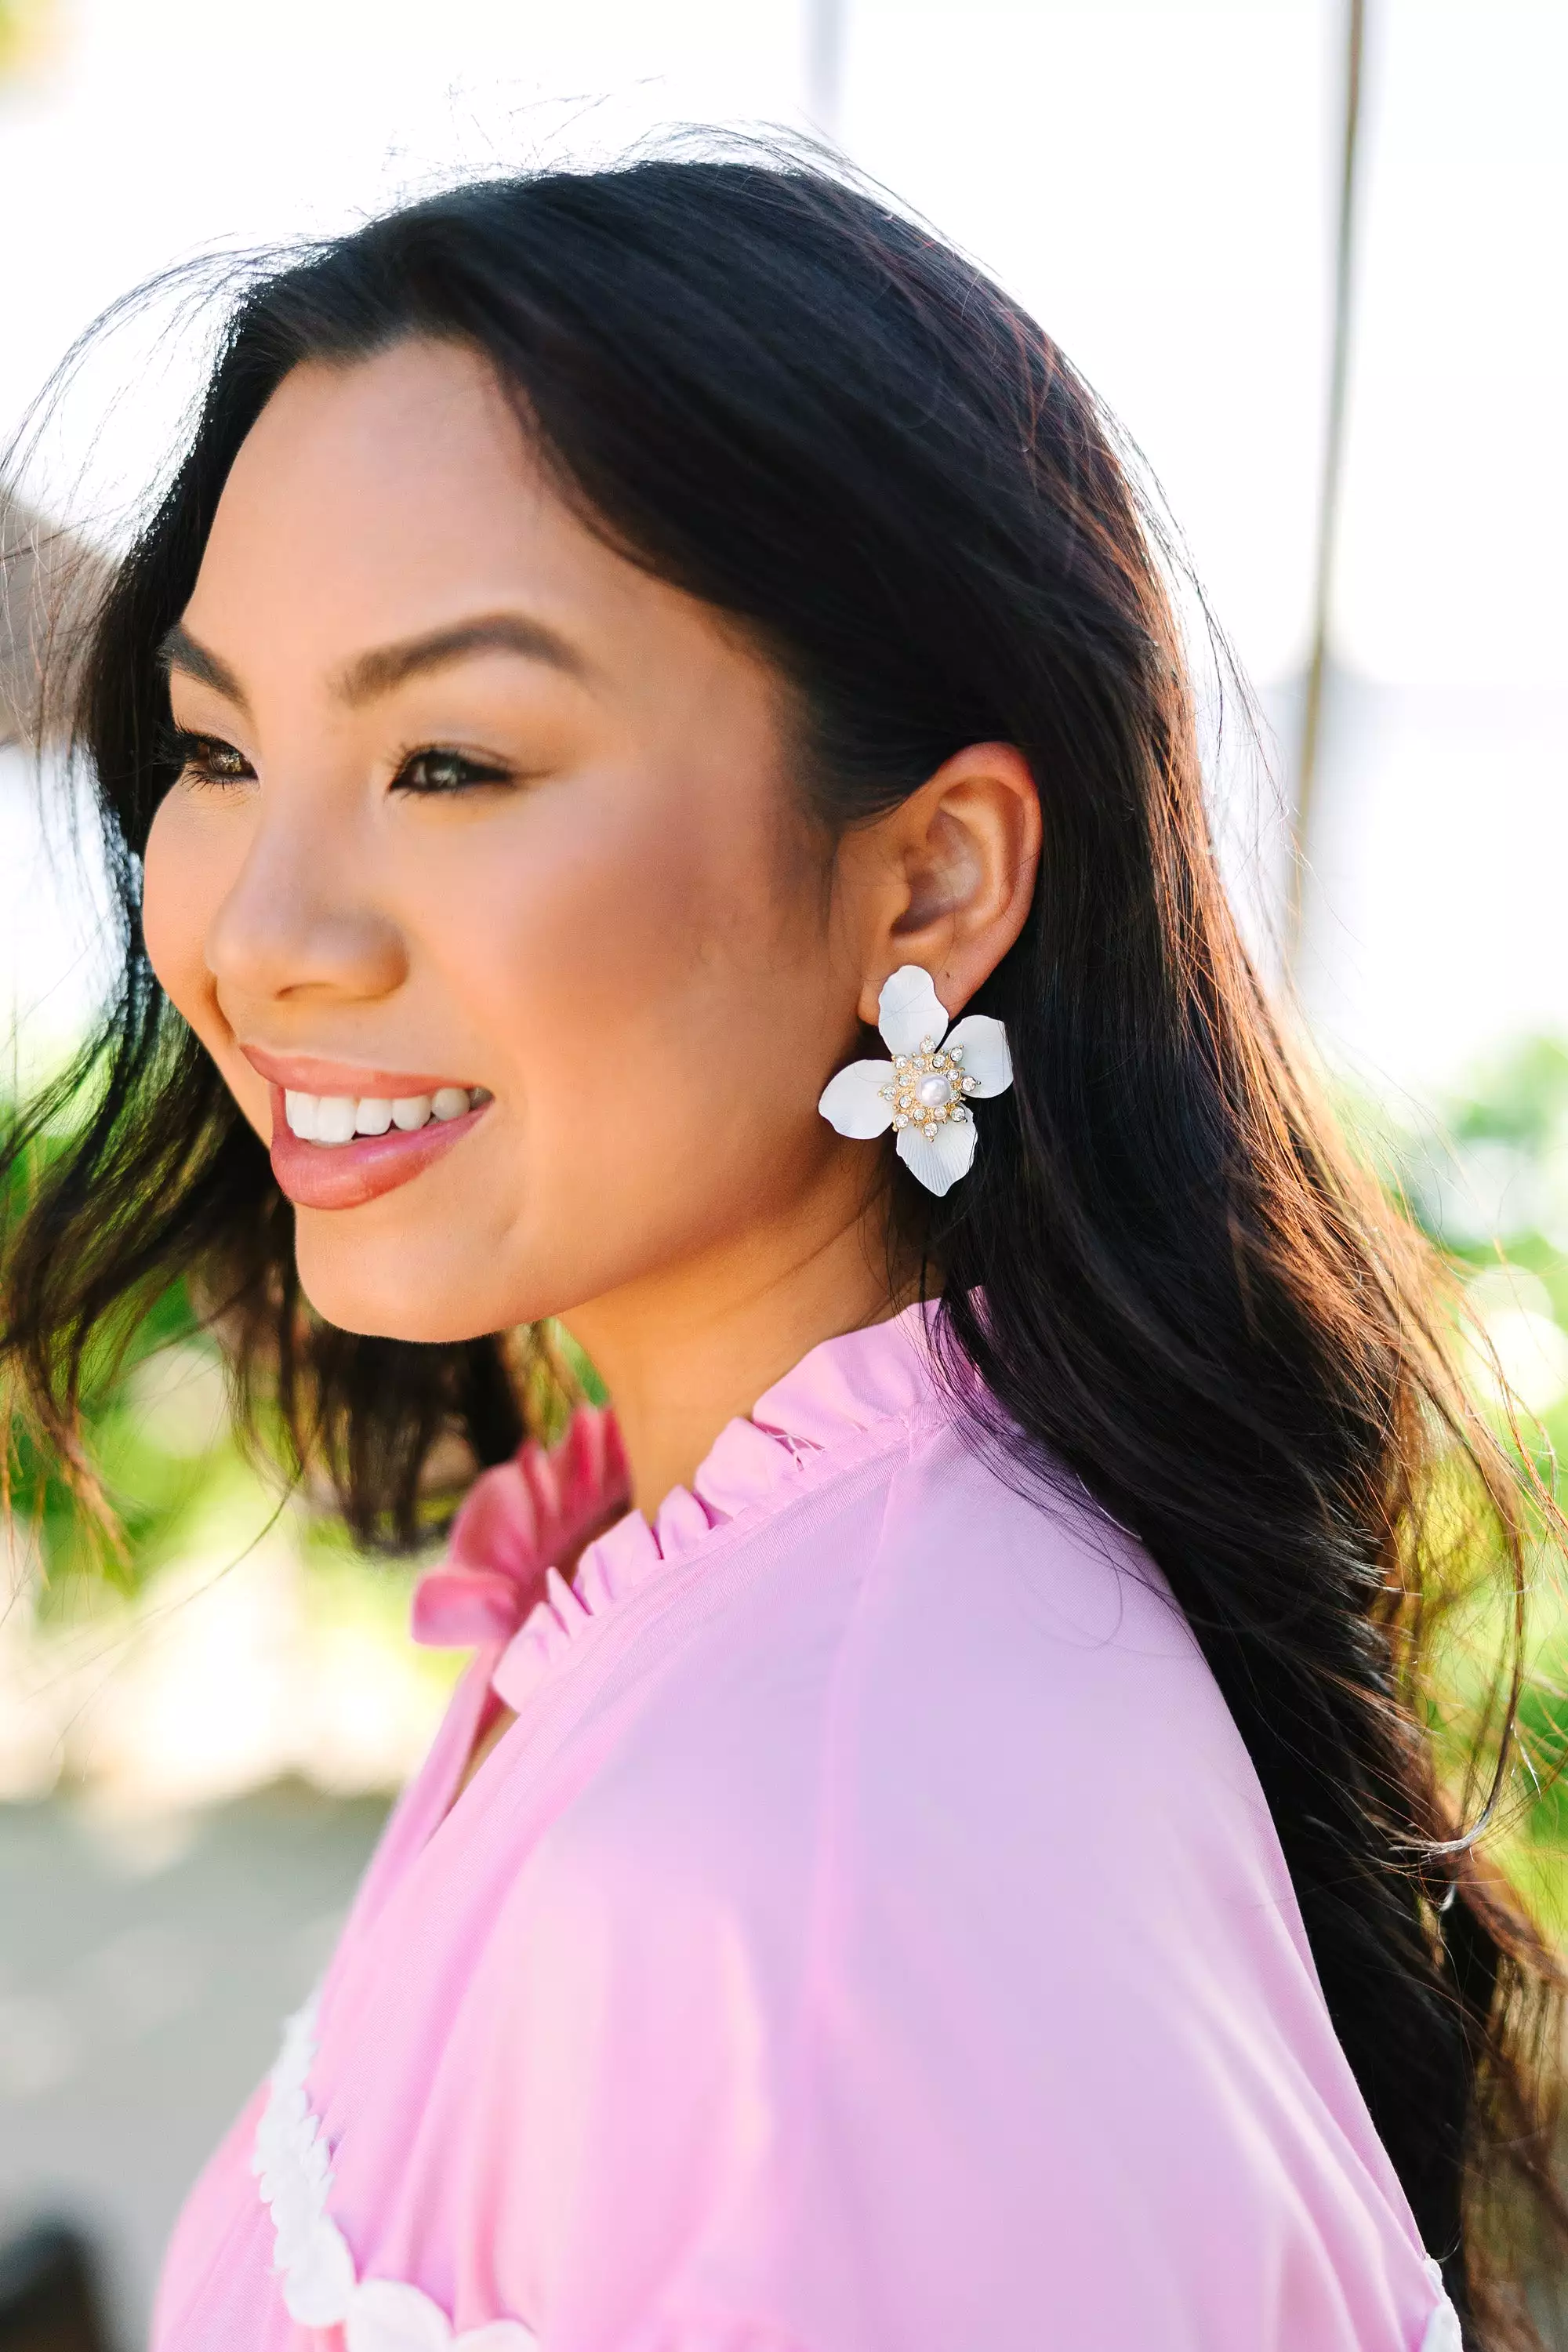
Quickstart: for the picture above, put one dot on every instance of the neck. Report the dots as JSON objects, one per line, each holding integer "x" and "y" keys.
{"x": 688, "y": 1350}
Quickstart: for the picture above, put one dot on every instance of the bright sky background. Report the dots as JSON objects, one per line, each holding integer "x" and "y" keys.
{"x": 1156, "y": 178}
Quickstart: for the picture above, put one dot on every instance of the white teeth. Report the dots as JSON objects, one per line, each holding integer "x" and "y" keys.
{"x": 338, "y": 1119}
{"x": 299, "y": 1110}
{"x": 335, "y": 1119}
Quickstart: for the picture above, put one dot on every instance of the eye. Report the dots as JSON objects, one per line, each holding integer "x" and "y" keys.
{"x": 436, "y": 768}
{"x": 208, "y": 759}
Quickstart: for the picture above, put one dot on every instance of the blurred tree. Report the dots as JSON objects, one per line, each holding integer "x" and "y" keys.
{"x": 48, "y": 577}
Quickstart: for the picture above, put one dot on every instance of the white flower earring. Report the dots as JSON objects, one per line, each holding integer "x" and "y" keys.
{"x": 924, "y": 1092}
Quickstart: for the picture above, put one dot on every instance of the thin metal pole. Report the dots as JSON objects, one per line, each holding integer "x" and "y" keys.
{"x": 1309, "y": 747}
{"x": 825, "y": 31}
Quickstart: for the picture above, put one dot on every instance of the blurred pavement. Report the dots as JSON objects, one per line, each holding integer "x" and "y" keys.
{"x": 144, "y": 1970}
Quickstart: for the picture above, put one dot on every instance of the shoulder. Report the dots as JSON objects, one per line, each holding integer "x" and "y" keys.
{"x": 1016, "y": 1723}
{"x": 1026, "y": 1755}
{"x": 921, "y": 1694}
{"x": 915, "y": 1637}
{"x": 1007, "y": 1629}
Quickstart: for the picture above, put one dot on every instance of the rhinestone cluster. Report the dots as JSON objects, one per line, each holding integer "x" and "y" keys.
{"x": 927, "y": 1088}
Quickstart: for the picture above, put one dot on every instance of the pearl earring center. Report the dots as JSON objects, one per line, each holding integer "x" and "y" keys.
{"x": 927, "y": 1088}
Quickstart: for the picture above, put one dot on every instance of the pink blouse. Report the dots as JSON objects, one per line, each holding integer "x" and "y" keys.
{"x": 870, "y": 1936}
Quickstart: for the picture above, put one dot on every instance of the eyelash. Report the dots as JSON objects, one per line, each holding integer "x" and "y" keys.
{"x": 201, "y": 757}
{"x": 474, "y": 772}
{"x": 198, "y": 757}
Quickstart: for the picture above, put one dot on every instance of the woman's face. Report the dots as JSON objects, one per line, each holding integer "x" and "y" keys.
{"x": 481, "y": 820}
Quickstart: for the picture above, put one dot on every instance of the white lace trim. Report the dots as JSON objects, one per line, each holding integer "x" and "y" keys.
{"x": 1443, "y": 2334}
{"x": 321, "y": 2288}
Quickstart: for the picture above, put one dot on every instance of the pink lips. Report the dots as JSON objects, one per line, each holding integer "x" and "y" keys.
{"x": 346, "y": 1175}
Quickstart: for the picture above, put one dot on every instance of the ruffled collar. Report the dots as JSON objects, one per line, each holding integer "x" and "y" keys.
{"x": 500, "y": 1580}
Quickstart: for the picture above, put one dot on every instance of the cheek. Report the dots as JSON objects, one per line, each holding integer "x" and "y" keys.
{"x": 661, "y": 980}
{"x": 189, "y": 869}
{"x": 183, "y": 886}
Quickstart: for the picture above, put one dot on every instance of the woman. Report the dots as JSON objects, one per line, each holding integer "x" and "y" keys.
{"x": 938, "y": 1845}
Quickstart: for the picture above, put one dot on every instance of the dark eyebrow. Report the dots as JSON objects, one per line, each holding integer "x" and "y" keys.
{"x": 388, "y": 666}
{"x": 180, "y": 650}
{"x": 384, "y": 667}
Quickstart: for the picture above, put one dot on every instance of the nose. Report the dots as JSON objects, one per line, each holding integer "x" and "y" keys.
{"x": 299, "y": 922}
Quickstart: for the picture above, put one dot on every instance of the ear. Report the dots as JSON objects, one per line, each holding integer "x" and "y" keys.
{"x": 945, "y": 879}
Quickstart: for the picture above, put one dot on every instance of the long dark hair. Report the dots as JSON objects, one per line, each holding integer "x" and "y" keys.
{"x": 766, "y": 387}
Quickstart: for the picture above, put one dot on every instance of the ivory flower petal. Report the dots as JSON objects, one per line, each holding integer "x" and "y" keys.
{"x": 853, "y": 1102}
{"x": 984, "y": 1045}
{"x": 909, "y": 1011}
{"x": 924, "y": 1093}
{"x": 940, "y": 1160}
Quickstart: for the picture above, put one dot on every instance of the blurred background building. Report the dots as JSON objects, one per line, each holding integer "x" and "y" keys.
{"x": 195, "y": 1753}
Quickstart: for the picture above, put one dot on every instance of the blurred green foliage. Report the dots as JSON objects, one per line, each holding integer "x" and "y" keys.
{"x": 155, "y": 1434}
{"x": 157, "y": 1440}
{"x": 1486, "y": 1178}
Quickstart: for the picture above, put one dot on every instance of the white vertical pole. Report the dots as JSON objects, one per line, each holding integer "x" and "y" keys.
{"x": 1309, "y": 756}
{"x": 825, "y": 30}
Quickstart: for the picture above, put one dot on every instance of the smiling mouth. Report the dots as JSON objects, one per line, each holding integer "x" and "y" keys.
{"x": 337, "y": 1120}
{"x": 335, "y": 1149}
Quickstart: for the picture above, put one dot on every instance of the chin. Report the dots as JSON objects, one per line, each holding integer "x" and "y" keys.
{"x": 428, "y": 1297}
